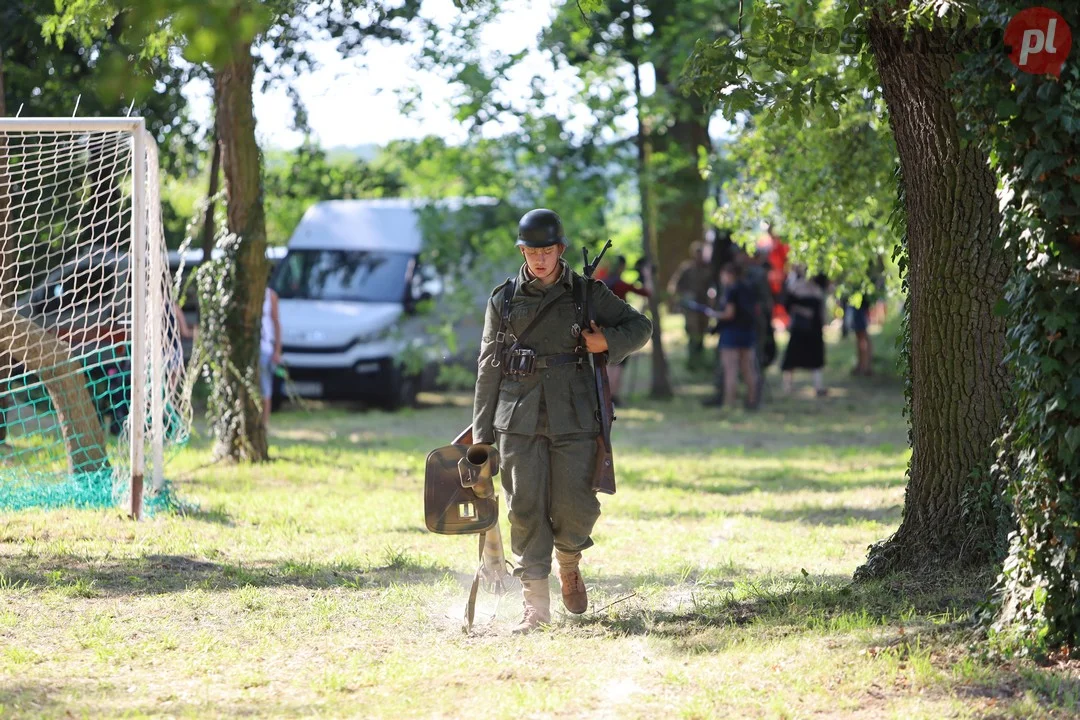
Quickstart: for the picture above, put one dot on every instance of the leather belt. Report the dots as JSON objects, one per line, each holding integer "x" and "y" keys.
{"x": 544, "y": 362}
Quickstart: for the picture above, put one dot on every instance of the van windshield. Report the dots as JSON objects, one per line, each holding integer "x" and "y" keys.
{"x": 350, "y": 275}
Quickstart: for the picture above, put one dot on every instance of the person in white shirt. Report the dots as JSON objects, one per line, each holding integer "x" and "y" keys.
{"x": 269, "y": 351}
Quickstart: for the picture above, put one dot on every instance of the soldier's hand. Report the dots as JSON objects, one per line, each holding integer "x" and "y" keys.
{"x": 595, "y": 342}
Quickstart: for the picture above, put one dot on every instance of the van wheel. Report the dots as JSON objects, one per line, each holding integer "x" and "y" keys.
{"x": 403, "y": 391}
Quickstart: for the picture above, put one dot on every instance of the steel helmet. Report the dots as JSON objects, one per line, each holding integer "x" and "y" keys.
{"x": 540, "y": 228}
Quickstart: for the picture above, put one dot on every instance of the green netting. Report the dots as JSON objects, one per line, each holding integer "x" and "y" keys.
{"x": 35, "y": 464}
{"x": 81, "y": 490}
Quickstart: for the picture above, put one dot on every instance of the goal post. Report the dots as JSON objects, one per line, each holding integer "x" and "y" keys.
{"x": 91, "y": 365}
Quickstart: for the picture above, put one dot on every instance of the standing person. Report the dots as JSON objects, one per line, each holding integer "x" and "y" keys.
{"x": 690, "y": 284}
{"x": 806, "y": 346}
{"x": 621, "y": 289}
{"x": 757, "y": 277}
{"x": 858, "y": 320}
{"x": 536, "y": 399}
{"x": 737, "y": 322}
{"x": 269, "y": 351}
{"x": 776, "y": 250}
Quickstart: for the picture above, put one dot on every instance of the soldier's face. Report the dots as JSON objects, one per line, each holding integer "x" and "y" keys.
{"x": 542, "y": 262}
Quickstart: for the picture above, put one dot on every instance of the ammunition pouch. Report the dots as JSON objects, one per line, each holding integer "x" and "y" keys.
{"x": 519, "y": 362}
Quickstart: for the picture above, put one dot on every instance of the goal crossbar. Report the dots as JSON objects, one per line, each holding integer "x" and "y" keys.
{"x": 103, "y": 124}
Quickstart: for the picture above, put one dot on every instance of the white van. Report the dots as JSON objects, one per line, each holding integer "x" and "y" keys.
{"x": 348, "y": 288}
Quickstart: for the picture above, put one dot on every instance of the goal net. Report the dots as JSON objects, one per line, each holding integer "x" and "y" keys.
{"x": 91, "y": 357}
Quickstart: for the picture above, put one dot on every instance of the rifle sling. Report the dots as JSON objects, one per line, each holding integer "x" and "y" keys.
{"x": 470, "y": 605}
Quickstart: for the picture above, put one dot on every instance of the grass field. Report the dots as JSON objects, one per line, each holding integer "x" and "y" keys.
{"x": 308, "y": 587}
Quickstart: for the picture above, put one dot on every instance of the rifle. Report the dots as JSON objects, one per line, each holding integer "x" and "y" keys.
{"x": 701, "y": 308}
{"x": 604, "y": 474}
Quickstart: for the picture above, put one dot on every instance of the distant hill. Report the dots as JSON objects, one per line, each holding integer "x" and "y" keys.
{"x": 340, "y": 154}
{"x": 365, "y": 152}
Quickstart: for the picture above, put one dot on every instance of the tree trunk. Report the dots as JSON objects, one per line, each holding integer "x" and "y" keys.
{"x": 681, "y": 195}
{"x": 211, "y": 192}
{"x": 660, "y": 385}
{"x": 681, "y": 208}
{"x": 243, "y": 435}
{"x": 956, "y": 274}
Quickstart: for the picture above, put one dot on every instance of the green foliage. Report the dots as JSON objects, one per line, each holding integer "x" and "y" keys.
{"x": 800, "y": 84}
{"x": 306, "y": 176}
{"x": 1029, "y": 124}
{"x": 797, "y": 61}
{"x": 216, "y": 284}
{"x": 785, "y": 170}
{"x": 103, "y": 76}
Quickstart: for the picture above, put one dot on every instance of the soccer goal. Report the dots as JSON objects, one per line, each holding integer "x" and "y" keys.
{"x": 91, "y": 362}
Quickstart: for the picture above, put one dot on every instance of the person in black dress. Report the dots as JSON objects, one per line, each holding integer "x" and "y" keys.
{"x": 805, "y": 350}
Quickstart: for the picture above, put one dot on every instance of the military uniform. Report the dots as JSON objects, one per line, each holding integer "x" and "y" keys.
{"x": 691, "y": 281}
{"x": 545, "y": 423}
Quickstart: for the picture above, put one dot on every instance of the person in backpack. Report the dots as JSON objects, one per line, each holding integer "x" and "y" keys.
{"x": 737, "y": 321}
{"x": 536, "y": 401}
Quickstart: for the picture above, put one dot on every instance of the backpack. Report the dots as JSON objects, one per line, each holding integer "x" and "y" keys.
{"x": 747, "y": 306}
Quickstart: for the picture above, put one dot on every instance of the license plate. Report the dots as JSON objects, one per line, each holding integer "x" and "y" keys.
{"x": 368, "y": 367}
{"x": 307, "y": 388}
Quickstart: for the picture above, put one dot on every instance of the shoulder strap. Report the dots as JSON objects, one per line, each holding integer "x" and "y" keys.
{"x": 583, "y": 305}
{"x": 581, "y": 287}
{"x": 504, "y": 320}
{"x": 508, "y": 295}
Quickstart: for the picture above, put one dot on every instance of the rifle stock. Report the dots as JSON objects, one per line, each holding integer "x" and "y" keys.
{"x": 604, "y": 472}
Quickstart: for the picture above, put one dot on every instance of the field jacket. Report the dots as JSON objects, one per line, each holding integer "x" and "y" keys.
{"x": 567, "y": 393}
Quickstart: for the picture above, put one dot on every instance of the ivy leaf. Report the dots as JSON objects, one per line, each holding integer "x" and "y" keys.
{"x": 1007, "y": 108}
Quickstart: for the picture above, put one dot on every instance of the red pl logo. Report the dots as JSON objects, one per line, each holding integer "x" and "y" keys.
{"x": 1039, "y": 40}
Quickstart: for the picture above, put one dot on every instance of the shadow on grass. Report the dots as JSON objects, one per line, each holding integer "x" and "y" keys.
{"x": 798, "y": 604}
{"x": 901, "y": 622}
{"x": 26, "y": 699}
{"x": 215, "y": 515}
{"x": 160, "y": 574}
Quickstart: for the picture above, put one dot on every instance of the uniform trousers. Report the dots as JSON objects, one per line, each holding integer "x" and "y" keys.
{"x": 547, "y": 480}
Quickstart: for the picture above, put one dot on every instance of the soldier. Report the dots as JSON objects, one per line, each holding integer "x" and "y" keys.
{"x": 536, "y": 398}
{"x": 690, "y": 285}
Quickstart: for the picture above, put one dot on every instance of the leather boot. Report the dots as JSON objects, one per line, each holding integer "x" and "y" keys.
{"x": 574, "y": 597}
{"x": 537, "y": 606}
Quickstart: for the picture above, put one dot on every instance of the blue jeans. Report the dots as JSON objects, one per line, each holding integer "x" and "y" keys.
{"x": 266, "y": 375}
